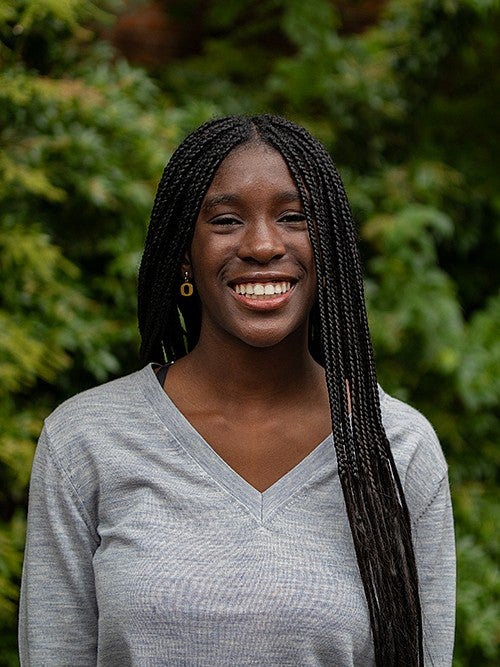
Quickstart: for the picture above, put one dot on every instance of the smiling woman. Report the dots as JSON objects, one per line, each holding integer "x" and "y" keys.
{"x": 251, "y": 496}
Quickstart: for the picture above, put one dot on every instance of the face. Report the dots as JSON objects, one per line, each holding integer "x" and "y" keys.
{"x": 251, "y": 257}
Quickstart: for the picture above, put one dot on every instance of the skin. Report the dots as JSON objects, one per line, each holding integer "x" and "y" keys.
{"x": 252, "y": 358}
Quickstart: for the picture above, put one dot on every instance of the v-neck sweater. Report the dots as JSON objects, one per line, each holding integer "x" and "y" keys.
{"x": 145, "y": 548}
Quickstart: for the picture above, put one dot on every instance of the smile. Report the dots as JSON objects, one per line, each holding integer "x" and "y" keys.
{"x": 262, "y": 290}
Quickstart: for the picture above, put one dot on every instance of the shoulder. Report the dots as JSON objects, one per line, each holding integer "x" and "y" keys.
{"x": 99, "y": 405}
{"x": 95, "y": 419}
{"x": 416, "y": 450}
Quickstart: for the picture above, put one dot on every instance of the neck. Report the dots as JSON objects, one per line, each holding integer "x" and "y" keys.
{"x": 236, "y": 371}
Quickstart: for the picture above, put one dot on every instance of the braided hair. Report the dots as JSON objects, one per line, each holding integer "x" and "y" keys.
{"x": 339, "y": 338}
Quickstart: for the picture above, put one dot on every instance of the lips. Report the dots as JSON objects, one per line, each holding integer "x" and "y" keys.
{"x": 263, "y": 292}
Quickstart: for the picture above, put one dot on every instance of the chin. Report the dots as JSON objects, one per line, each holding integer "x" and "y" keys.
{"x": 266, "y": 339}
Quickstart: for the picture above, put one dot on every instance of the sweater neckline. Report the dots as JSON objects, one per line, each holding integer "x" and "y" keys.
{"x": 259, "y": 504}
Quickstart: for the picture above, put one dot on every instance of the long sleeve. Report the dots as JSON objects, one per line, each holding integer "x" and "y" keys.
{"x": 58, "y": 610}
{"x": 435, "y": 553}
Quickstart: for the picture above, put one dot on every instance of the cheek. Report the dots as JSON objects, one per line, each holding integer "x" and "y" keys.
{"x": 313, "y": 289}
{"x": 210, "y": 257}
{"x": 200, "y": 255}
{"x": 206, "y": 269}
{"x": 311, "y": 269}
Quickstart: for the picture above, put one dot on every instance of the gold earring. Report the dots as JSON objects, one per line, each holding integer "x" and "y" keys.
{"x": 186, "y": 288}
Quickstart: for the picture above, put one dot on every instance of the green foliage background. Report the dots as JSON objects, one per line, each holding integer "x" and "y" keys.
{"x": 409, "y": 110}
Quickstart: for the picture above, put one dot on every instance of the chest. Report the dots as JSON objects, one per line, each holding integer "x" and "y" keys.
{"x": 262, "y": 448}
{"x": 185, "y": 573}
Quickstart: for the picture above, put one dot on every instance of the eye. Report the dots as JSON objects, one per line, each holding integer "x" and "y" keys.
{"x": 225, "y": 221}
{"x": 296, "y": 218}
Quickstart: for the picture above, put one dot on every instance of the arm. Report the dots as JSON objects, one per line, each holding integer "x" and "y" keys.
{"x": 435, "y": 554}
{"x": 58, "y": 609}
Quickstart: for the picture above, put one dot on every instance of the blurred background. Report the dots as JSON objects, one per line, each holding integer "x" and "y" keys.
{"x": 405, "y": 94}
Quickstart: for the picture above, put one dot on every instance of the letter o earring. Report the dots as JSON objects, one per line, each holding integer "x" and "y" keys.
{"x": 186, "y": 288}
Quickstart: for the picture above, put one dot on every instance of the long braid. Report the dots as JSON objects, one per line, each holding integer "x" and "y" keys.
{"x": 194, "y": 162}
{"x": 364, "y": 386}
{"x": 373, "y": 494}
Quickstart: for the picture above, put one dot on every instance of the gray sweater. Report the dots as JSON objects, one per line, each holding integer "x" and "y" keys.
{"x": 145, "y": 548}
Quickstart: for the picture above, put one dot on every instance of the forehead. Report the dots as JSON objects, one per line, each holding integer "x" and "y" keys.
{"x": 252, "y": 165}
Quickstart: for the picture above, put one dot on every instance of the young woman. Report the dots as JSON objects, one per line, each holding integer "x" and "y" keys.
{"x": 263, "y": 502}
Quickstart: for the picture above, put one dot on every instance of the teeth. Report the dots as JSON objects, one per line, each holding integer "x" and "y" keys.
{"x": 255, "y": 290}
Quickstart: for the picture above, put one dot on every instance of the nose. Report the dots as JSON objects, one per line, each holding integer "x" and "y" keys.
{"x": 262, "y": 242}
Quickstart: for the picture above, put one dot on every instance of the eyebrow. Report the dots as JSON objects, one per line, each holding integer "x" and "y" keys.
{"x": 211, "y": 202}
{"x": 287, "y": 196}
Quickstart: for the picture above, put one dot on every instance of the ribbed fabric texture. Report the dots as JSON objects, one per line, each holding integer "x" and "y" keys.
{"x": 145, "y": 548}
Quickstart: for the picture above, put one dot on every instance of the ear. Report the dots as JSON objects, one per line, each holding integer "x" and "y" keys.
{"x": 186, "y": 263}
